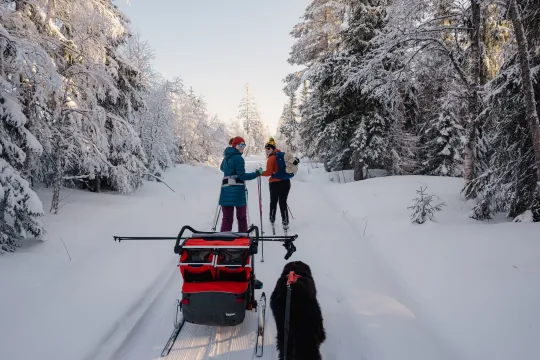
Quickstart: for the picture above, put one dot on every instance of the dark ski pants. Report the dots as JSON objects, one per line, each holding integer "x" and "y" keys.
{"x": 279, "y": 191}
{"x": 228, "y": 218}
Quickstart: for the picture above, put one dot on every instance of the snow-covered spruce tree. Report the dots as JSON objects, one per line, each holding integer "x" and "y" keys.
{"x": 288, "y": 126}
{"x": 157, "y": 124}
{"x": 435, "y": 85}
{"x": 30, "y": 48}
{"x": 416, "y": 28}
{"x": 202, "y": 137}
{"x": 80, "y": 37}
{"x": 279, "y": 137}
{"x": 444, "y": 147}
{"x": 530, "y": 98}
{"x": 141, "y": 55}
{"x": 102, "y": 93}
{"x": 423, "y": 209}
{"x": 19, "y": 205}
{"x": 236, "y": 128}
{"x": 248, "y": 114}
{"x": 361, "y": 116}
{"x": 28, "y": 81}
{"x": 126, "y": 155}
{"x": 509, "y": 182}
{"x": 320, "y": 139}
{"x": 192, "y": 117}
{"x": 318, "y": 37}
{"x": 319, "y": 34}
{"x": 218, "y": 140}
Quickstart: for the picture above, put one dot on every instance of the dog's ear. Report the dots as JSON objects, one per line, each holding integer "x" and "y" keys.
{"x": 307, "y": 268}
{"x": 287, "y": 268}
{"x": 303, "y": 269}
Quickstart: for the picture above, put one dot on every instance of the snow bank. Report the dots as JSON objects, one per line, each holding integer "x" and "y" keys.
{"x": 474, "y": 284}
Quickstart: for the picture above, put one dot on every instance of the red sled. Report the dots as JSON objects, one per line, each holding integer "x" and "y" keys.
{"x": 219, "y": 282}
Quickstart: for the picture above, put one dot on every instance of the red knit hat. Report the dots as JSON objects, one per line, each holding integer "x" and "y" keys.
{"x": 237, "y": 140}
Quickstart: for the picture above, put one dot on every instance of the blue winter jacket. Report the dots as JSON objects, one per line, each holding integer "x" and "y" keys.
{"x": 233, "y": 164}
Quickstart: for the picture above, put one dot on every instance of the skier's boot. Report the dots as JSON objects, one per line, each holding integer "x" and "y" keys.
{"x": 285, "y": 219}
{"x": 272, "y": 221}
{"x": 272, "y": 216}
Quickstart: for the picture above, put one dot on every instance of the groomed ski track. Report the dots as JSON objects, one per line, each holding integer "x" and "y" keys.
{"x": 147, "y": 339}
{"x": 368, "y": 312}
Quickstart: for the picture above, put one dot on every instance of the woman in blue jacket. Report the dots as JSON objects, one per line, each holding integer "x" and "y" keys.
{"x": 233, "y": 187}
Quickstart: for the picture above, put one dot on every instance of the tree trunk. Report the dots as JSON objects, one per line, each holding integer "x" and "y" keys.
{"x": 476, "y": 82}
{"x": 57, "y": 182}
{"x": 97, "y": 184}
{"x": 358, "y": 170}
{"x": 528, "y": 90}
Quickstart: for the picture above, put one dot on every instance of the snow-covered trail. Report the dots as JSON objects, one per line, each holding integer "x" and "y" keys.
{"x": 368, "y": 314}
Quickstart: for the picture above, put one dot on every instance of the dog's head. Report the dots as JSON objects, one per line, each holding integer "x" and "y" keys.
{"x": 299, "y": 267}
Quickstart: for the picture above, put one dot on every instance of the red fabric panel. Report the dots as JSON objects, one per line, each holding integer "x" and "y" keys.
{"x": 223, "y": 243}
{"x": 197, "y": 270}
{"x": 215, "y": 286}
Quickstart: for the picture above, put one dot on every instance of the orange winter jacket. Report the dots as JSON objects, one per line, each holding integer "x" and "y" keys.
{"x": 271, "y": 166}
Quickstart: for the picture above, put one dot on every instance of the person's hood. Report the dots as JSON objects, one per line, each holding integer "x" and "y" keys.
{"x": 230, "y": 151}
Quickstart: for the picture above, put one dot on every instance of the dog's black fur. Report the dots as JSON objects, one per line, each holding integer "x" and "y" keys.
{"x": 306, "y": 330}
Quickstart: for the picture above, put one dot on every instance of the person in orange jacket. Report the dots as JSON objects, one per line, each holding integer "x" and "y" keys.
{"x": 279, "y": 185}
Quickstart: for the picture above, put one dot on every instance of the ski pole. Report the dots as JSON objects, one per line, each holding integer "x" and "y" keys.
{"x": 217, "y": 219}
{"x": 291, "y": 279}
{"x": 287, "y": 315}
{"x": 260, "y": 212}
{"x": 290, "y": 211}
{"x": 216, "y": 216}
{"x": 247, "y": 205}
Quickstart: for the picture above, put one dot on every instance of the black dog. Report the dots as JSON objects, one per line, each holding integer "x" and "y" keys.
{"x": 306, "y": 331}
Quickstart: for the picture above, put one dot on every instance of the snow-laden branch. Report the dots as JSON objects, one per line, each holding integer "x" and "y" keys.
{"x": 160, "y": 179}
{"x": 78, "y": 177}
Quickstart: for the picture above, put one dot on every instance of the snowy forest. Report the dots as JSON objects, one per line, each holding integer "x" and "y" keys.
{"x": 440, "y": 87}
{"x": 82, "y": 106}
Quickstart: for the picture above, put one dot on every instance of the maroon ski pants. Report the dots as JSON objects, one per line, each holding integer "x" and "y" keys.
{"x": 228, "y": 218}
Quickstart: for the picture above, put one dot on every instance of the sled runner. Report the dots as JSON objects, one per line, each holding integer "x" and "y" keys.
{"x": 219, "y": 282}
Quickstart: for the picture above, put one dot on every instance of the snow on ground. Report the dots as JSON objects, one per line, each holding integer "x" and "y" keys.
{"x": 54, "y": 308}
{"x": 450, "y": 289}
{"x": 472, "y": 283}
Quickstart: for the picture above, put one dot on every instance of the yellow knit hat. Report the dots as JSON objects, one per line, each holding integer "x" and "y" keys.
{"x": 271, "y": 143}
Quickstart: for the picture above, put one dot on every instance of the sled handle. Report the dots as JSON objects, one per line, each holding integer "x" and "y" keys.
{"x": 178, "y": 247}
{"x": 123, "y": 238}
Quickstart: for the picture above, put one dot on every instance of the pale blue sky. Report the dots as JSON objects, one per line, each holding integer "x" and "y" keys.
{"x": 217, "y": 46}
